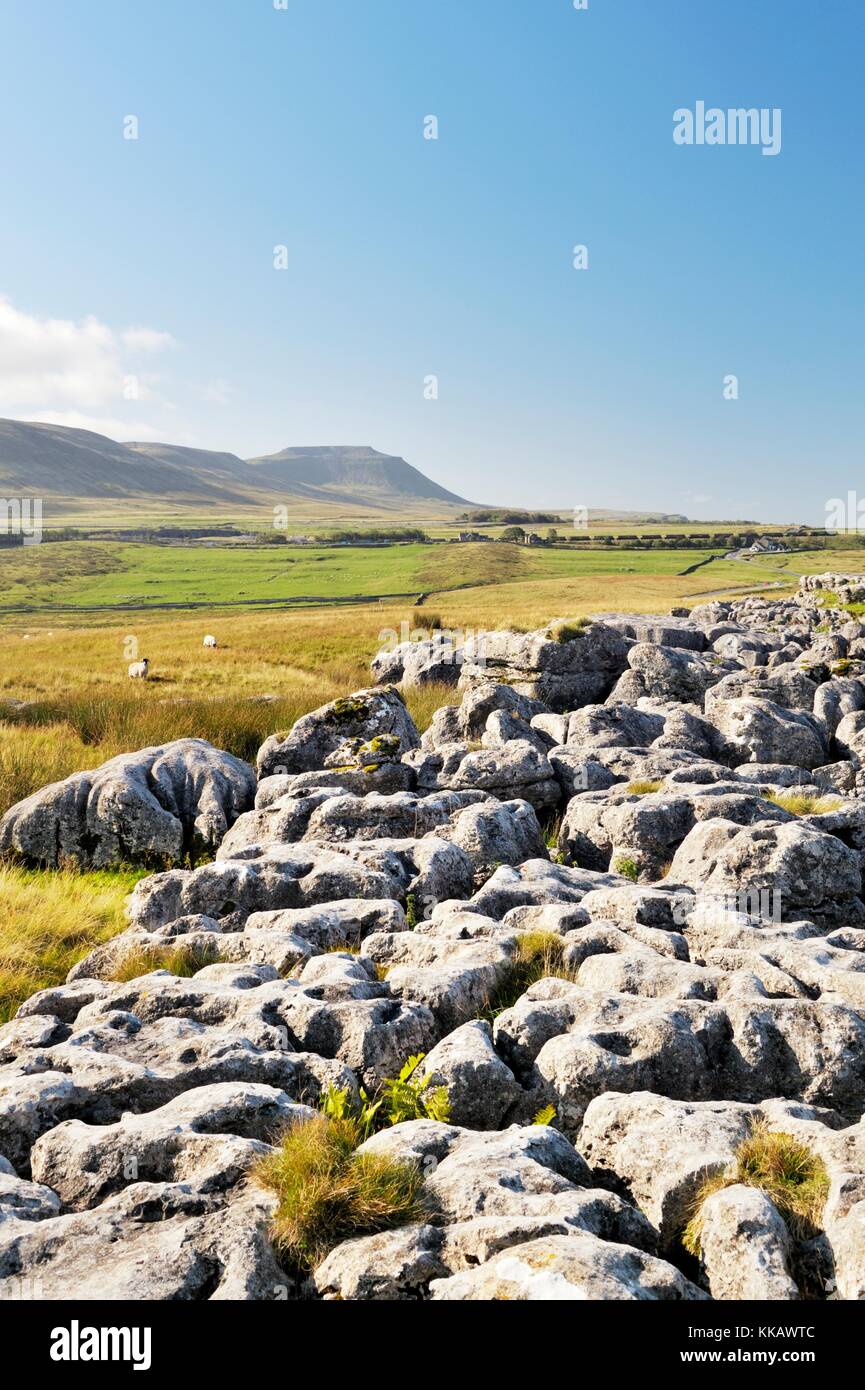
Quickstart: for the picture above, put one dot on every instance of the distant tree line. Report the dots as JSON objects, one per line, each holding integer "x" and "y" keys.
{"x": 499, "y": 517}
{"x": 354, "y": 537}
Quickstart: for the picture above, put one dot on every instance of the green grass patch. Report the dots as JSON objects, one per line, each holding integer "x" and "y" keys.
{"x": 328, "y": 1192}
{"x": 627, "y": 867}
{"x": 539, "y": 955}
{"x": 570, "y": 630}
{"x": 50, "y": 920}
{"x": 643, "y": 788}
{"x": 792, "y": 1176}
{"x": 180, "y": 960}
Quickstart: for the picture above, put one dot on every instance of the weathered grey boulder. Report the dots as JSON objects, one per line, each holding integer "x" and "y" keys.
{"x": 157, "y": 805}
{"x": 454, "y": 979}
{"x": 746, "y": 1247}
{"x": 166, "y": 1242}
{"x": 616, "y": 725}
{"x": 576, "y": 773}
{"x": 393, "y": 1266}
{"x": 492, "y": 833}
{"x": 484, "y": 698}
{"x": 209, "y": 1136}
{"x": 282, "y": 876}
{"x": 759, "y": 731}
{"x": 563, "y": 674}
{"x": 685, "y": 729}
{"x": 481, "y": 1089}
{"x": 331, "y": 816}
{"x": 517, "y": 769}
{"x": 366, "y": 715}
{"x": 577, "y": 1267}
{"x": 332, "y": 924}
{"x": 21, "y": 1200}
{"x": 670, "y": 630}
{"x": 666, "y": 673}
{"x": 641, "y": 832}
{"x": 434, "y": 659}
{"x": 799, "y": 869}
{"x": 536, "y": 883}
{"x": 836, "y": 699}
{"x": 280, "y": 821}
{"x": 296, "y": 876}
{"x": 649, "y": 907}
{"x": 622, "y": 1137}
{"x": 850, "y": 736}
{"x": 504, "y": 727}
{"x": 787, "y": 686}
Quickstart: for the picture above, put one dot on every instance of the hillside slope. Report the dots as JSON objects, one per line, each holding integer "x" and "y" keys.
{"x": 56, "y": 462}
{"x": 358, "y": 470}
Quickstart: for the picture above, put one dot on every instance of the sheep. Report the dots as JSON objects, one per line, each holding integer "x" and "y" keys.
{"x": 209, "y": 641}
{"x": 138, "y": 670}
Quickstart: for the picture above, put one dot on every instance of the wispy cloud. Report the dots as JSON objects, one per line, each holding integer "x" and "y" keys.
{"x": 146, "y": 340}
{"x": 82, "y": 374}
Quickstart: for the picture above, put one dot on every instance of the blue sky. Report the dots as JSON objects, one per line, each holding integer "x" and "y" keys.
{"x": 303, "y": 127}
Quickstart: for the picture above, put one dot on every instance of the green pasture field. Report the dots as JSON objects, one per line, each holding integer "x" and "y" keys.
{"x": 82, "y": 575}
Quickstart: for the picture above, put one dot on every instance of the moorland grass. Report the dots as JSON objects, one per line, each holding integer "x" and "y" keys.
{"x": 792, "y": 1176}
{"x": 804, "y": 803}
{"x": 327, "y": 1192}
{"x": 49, "y": 920}
{"x": 539, "y": 955}
{"x": 183, "y": 961}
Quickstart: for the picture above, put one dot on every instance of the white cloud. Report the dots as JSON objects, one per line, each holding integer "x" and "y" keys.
{"x": 53, "y": 367}
{"x": 147, "y": 340}
{"x": 113, "y": 426}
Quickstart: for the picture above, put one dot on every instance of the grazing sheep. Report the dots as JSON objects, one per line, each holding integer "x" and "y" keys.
{"x": 209, "y": 641}
{"x": 138, "y": 670}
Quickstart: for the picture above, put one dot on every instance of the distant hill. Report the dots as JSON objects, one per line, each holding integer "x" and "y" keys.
{"x": 53, "y": 461}
{"x": 350, "y": 471}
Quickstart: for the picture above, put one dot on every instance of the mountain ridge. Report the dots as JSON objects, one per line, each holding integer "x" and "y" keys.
{"x": 59, "y": 461}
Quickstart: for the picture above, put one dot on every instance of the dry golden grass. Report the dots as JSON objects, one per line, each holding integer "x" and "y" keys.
{"x": 539, "y": 955}
{"x": 329, "y": 1193}
{"x": 803, "y": 804}
{"x": 48, "y": 921}
{"x": 792, "y": 1176}
{"x": 79, "y": 712}
{"x": 183, "y": 961}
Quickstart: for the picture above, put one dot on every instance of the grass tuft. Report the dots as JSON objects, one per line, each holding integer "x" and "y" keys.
{"x": 328, "y": 1193}
{"x": 643, "y": 788}
{"x": 791, "y": 1175}
{"x": 183, "y": 961}
{"x": 539, "y": 955}
{"x": 627, "y": 867}
{"x": 570, "y": 630}
{"x": 803, "y": 804}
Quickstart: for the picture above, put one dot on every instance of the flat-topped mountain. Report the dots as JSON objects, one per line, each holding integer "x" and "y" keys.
{"x": 355, "y": 469}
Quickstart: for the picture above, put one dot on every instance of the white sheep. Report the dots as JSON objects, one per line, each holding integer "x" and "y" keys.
{"x": 138, "y": 670}
{"x": 209, "y": 641}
